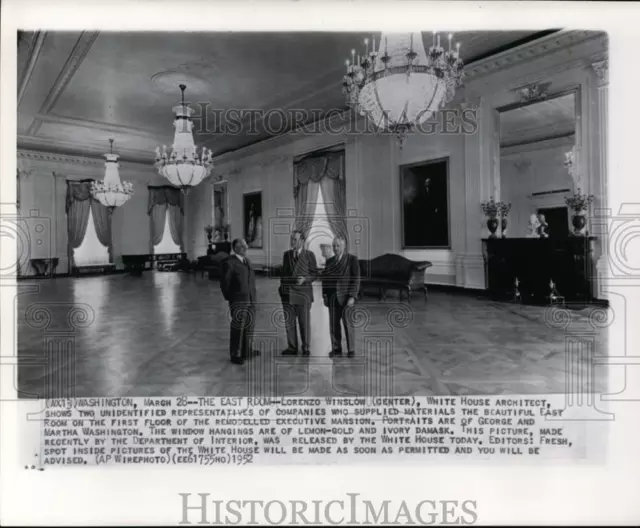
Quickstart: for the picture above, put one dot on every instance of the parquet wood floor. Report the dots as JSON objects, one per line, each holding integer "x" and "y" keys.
{"x": 166, "y": 334}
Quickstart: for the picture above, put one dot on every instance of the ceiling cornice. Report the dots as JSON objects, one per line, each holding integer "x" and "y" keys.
{"x": 530, "y": 50}
{"x": 66, "y": 159}
{"x": 66, "y": 148}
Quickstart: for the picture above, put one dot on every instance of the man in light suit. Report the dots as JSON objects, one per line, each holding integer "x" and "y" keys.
{"x": 239, "y": 289}
{"x": 299, "y": 270}
{"x": 340, "y": 289}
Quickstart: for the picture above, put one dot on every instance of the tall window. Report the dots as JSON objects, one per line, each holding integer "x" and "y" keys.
{"x": 91, "y": 252}
{"x": 166, "y": 245}
{"x": 320, "y": 232}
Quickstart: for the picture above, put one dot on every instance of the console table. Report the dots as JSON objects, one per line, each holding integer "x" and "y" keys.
{"x": 136, "y": 264}
{"x": 93, "y": 269}
{"x": 535, "y": 262}
{"x": 44, "y": 267}
{"x": 169, "y": 261}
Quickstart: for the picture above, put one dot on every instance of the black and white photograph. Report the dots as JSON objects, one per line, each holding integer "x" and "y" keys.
{"x": 256, "y": 255}
{"x": 451, "y": 218}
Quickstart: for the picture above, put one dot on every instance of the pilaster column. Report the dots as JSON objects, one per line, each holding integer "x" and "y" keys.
{"x": 601, "y": 69}
{"x": 480, "y": 183}
{"x": 59, "y": 239}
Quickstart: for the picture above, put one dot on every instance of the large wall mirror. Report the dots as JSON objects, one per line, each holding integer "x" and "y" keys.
{"x": 535, "y": 138}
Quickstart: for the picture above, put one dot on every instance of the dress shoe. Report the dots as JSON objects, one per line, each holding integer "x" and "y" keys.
{"x": 351, "y": 354}
{"x": 237, "y": 360}
{"x": 289, "y": 352}
{"x": 335, "y": 353}
{"x": 306, "y": 353}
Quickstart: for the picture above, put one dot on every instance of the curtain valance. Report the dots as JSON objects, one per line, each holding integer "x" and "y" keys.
{"x": 77, "y": 191}
{"x": 165, "y": 195}
{"x": 320, "y": 171}
{"x": 314, "y": 168}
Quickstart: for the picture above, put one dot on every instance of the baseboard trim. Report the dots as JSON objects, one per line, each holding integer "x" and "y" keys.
{"x": 70, "y": 275}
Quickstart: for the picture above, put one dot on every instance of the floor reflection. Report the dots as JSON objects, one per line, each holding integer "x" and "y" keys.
{"x": 168, "y": 333}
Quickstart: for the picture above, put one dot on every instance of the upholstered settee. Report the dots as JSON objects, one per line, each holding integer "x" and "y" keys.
{"x": 211, "y": 264}
{"x": 393, "y": 272}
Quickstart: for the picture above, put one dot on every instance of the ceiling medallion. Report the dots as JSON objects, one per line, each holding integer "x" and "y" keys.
{"x": 165, "y": 82}
{"x": 400, "y": 85}
{"x": 184, "y": 167}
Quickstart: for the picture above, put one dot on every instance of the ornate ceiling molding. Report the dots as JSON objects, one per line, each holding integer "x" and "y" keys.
{"x": 25, "y": 157}
{"x": 78, "y": 54}
{"x": 94, "y": 150}
{"x": 34, "y": 54}
{"x": 531, "y": 50}
{"x": 533, "y": 91}
{"x": 49, "y": 157}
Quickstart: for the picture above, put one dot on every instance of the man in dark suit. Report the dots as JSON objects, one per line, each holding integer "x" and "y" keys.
{"x": 239, "y": 289}
{"x": 340, "y": 288}
{"x": 299, "y": 270}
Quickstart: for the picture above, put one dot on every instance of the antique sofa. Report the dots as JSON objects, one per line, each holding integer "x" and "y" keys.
{"x": 393, "y": 272}
{"x": 212, "y": 264}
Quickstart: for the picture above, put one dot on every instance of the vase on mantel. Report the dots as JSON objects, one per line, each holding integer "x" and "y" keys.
{"x": 503, "y": 210}
{"x": 491, "y": 210}
{"x": 503, "y": 227}
{"x": 579, "y": 222}
{"x": 492, "y": 226}
{"x": 579, "y": 203}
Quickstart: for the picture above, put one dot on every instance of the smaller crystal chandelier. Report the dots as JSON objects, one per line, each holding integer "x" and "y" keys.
{"x": 111, "y": 192}
{"x": 401, "y": 85}
{"x": 184, "y": 167}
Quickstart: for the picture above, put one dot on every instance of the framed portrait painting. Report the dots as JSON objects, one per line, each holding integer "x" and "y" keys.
{"x": 220, "y": 210}
{"x": 252, "y": 211}
{"x": 424, "y": 191}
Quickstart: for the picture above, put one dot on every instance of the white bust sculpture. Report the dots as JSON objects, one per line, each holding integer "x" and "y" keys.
{"x": 534, "y": 224}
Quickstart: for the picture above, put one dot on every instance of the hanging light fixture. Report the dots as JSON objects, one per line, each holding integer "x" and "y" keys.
{"x": 400, "y": 85}
{"x": 111, "y": 192}
{"x": 184, "y": 167}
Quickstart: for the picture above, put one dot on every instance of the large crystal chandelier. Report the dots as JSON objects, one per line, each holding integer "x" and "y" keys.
{"x": 111, "y": 192}
{"x": 400, "y": 85}
{"x": 184, "y": 167}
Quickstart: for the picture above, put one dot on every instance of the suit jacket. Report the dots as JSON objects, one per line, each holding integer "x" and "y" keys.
{"x": 341, "y": 278}
{"x": 304, "y": 266}
{"x": 238, "y": 282}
